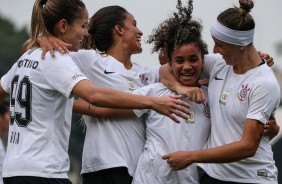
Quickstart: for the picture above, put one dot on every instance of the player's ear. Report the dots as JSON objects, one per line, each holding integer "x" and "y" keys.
{"x": 62, "y": 26}
{"x": 118, "y": 29}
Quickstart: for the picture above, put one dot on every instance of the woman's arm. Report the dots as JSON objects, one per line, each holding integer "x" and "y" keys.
{"x": 110, "y": 98}
{"x": 194, "y": 94}
{"x": 244, "y": 148}
{"x": 82, "y": 107}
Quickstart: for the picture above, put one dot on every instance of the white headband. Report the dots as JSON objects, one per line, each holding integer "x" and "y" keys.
{"x": 222, "y": 33}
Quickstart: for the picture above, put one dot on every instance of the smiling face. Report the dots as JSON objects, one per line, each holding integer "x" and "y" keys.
{"x": 75, "y": 32}
{"x": 131, "y": 34}
{"x": 186, "y": 63}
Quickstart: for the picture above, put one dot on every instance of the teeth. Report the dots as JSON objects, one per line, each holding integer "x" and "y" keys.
{"x": 187, "y": 74}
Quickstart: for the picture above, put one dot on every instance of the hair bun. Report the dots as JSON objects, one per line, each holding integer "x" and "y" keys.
{"x": 246, "y": 5}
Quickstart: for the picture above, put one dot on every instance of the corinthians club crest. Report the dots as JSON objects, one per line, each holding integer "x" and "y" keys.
{"x": 243, "y": 94}
{"x": 144, "y": 79}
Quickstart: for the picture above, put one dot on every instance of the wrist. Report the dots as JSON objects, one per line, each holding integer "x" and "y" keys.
{"x": 150, "y": 102}
{"x": 178, "y": 88}
{"x": 194, "y": 157}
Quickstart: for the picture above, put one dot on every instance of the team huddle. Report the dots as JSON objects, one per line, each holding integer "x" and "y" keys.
{"x": 145, "y": 125}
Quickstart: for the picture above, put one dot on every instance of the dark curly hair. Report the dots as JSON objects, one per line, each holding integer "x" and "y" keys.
{"x": 178, "y": 30}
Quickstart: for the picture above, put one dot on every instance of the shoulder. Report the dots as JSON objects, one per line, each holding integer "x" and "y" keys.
{"x": 155, "y": 89}
{"x": 151, "y": 72}
{"x": 265, "y": 76}
{"x": 83, "y": 54}
{"x": 213, "y": 63}
{"x": 145, "y": 68}
{"x": 213, "y": 58}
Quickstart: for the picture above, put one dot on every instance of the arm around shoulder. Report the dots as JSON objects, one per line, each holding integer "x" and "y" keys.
{"x": 194, "y": 94}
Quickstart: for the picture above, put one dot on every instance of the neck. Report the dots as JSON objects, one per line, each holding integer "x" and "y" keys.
{"x": 247, "y": 59}
{"x": 120, "y": 55}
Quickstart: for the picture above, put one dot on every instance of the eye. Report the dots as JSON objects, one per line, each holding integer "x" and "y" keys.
{"x": 179, "y": 60}
{"x": 194, "y": 59}
{"x": 85, "y": 26}
{"x": 134, "y": 23}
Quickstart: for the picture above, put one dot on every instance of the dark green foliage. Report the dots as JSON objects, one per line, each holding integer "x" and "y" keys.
{"x": 11, "y": 41}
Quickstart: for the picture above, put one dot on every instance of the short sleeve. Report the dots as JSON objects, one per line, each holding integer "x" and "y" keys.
{"x": 145, "y": 91}
{"x": 7, "y": 79}
{"x": 83, "y": 58}
{"x": 62, "y": 74}
{"x": 264, "y": 101}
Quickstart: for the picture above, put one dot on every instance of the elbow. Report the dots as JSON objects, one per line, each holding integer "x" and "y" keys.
{"x": 250, "y": 153}
{"x": 249, "y": 150}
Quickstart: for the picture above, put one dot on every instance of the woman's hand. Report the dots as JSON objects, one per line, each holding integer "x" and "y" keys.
{"x": 178, "y": 160}
{"x": 171, "y": 106}
{"x": 269, "y": 60}
{"x": 51, "y": 43}
{"x": 194, "y": 94}
{"x": 271, "y": 129}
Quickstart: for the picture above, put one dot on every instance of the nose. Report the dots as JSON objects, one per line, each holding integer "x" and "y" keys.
{"x": 86, "y": 34}
{"x": 140, "y": 32}
{"x": 215, "y": 49}
{"x": 186, "y": 66}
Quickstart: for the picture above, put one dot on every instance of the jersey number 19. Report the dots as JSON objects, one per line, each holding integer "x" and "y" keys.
{"x": 21, "y": 93}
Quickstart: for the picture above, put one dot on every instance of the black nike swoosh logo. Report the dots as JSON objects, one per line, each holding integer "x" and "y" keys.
{"x": 106, "y": 72}
{"x": 216, "y": 78}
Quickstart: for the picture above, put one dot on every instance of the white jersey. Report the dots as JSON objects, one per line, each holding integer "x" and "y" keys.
{"x": 112, "y": 142}
{"x": 41, "y": 114}
{"x": 234, "y": 98}
{"x": 164, "y": 136}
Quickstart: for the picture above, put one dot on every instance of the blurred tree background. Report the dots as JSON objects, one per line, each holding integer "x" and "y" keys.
{"x": 11, "y": 41}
